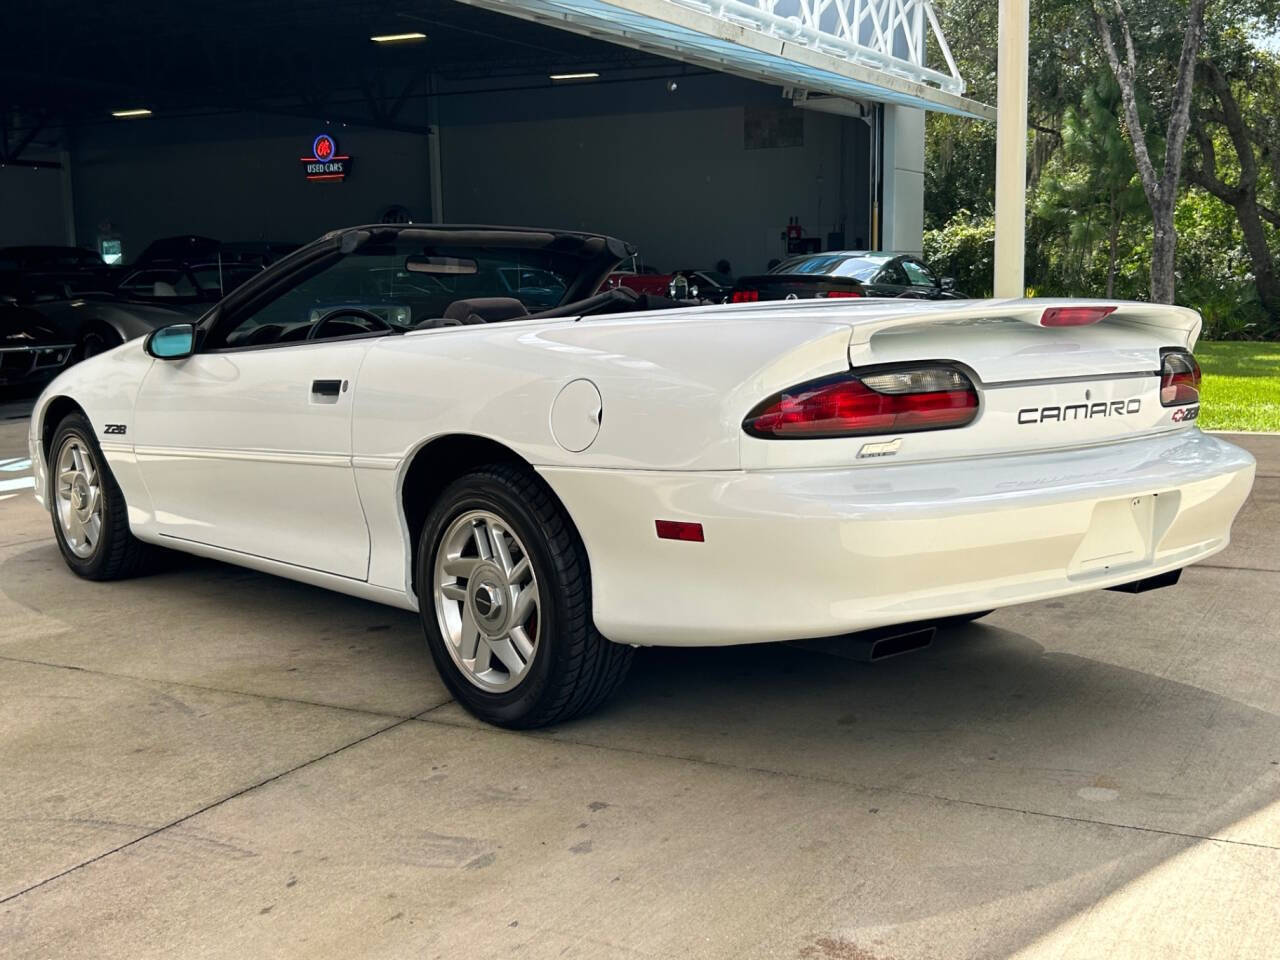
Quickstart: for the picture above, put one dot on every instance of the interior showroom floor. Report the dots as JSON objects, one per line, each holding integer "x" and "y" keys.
{"x": 210, "y": 762}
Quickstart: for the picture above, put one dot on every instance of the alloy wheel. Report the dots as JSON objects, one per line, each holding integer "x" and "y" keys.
{"x": 79, "y": 497}
{"x": 486, "y": 600}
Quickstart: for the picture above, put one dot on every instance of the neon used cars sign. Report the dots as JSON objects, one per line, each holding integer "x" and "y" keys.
{"x": 325, "y": 162}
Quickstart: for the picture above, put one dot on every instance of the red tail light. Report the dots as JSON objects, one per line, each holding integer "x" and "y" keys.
{"x": 1074, "y": 316}
{"x": 745, "y": 296}
{"x": 1179, "y": 379}
{"x": 841, "y": 294}
{"x": 845, "y": 405}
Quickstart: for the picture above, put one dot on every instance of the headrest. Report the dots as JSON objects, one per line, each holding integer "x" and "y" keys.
{"x": 485, "y": 310}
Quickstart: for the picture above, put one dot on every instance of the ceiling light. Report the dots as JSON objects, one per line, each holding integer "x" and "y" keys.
{"x": 134, "y": 112}
{"x": 574, "y": 76}
{"x": 397, "y": 37}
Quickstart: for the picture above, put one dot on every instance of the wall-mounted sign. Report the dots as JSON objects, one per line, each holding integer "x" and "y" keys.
{"x": 325, "y": 162}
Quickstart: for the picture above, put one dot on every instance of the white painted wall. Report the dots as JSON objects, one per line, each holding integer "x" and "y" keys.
{"x": 903, "y": 179}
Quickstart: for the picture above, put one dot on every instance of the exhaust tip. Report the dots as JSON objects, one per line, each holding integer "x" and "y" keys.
{"x": 872, "y": 646}
{"x": 1149, "y": 583}
{"x": 892, "y": 646}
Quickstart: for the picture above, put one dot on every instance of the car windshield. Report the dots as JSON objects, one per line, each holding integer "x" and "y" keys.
{"x": 834, "y": 265}
{"x": 202, "y": 281}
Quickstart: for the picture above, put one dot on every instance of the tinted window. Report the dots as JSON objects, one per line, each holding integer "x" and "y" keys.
{"x": 918, "y": 273}
{"x": 832, "y": 265}
{"x": 375, "y": 279}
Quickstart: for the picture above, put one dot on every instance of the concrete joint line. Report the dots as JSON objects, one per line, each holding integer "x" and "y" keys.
{"x": 206, "y": 808}
{"x": 862, "y": 786}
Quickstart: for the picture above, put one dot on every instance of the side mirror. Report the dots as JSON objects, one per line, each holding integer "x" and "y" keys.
{"x": 173, "y": 342}
{"x": 947, "y": 283}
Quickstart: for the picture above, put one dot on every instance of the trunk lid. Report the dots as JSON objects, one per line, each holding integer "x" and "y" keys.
{"x": 781, "y": 286}
{"x": 1039, "y": 388}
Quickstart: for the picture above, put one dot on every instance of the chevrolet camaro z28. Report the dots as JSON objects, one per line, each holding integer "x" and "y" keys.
{"x": 552, "y": 488}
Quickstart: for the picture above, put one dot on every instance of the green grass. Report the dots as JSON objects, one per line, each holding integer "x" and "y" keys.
{"x": 1241, "y": 387}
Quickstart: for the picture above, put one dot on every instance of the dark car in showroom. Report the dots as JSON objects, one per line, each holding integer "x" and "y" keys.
{"x": 52, "y": 269}
{"x": 49, "y": 321}
{"x": 43, "y": 329}
{"x": 847, "y": 273}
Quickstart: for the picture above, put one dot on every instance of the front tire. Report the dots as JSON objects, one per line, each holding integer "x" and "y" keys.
{"x": 90, "y": 517}
{"x": 505, "y": 597}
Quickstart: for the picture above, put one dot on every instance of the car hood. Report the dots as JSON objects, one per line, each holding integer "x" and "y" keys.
{"x": 23, "y": 327}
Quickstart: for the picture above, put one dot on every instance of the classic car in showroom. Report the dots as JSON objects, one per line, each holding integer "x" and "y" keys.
{"x": 50, "y": 319}
{"x": 552, "y": 487}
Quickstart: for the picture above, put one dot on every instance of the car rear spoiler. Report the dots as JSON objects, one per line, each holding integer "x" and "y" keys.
{"x": 876, "y": 316}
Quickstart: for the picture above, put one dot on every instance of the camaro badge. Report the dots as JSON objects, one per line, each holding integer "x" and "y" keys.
{"x": 886, "y": 449}
{"x": 1079, "y": 411}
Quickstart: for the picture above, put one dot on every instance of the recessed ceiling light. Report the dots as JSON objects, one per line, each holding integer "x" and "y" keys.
{"x": 397, "y": 37}
{"x": 574, "y": 76}
{"x": 134, "y": 112}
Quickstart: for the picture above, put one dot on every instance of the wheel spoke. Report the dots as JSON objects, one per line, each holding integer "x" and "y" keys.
{"x": 483, "y": 656}
{"x": 454, "y": 591}
{"x": 501, "y": 552}
{"x": 470, "y": 634}
{"x": 526, "y": 602}
{"x": 92, "y": 527}
{"x": 480, "y": 534}
{"x": 77, "y": 459}
{"x": 520, "y": 570}
{"x": 65, "y": 479}
{"x": 505, "y": 652}
{"x": 74, "y": 528}
{"x": 520, "y": 640}
{"x": 461, "y": 567}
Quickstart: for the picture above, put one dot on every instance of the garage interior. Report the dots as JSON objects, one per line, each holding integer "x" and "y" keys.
{"x": 466, "y": 125}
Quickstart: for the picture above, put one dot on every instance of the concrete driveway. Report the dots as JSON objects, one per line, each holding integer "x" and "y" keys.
{"x": 208, "y": 762}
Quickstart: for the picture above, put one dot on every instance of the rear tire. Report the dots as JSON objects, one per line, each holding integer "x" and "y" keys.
{"x": 90, "y": 516}
{"x": 504, "y": 590}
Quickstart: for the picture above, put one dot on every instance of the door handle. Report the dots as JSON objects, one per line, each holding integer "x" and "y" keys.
{"x": 326, "y": 391}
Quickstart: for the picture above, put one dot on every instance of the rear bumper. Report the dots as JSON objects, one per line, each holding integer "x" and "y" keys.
{"x": 797, "y": 554}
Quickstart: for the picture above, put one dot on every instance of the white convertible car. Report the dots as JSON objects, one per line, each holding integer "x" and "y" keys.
{"x": 453, "y": 420}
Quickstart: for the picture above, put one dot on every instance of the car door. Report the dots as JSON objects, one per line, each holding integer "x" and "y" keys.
{"x": 923, "y": 283}
{"x": 890, "y": 281}
{"x": 246, "y": 445}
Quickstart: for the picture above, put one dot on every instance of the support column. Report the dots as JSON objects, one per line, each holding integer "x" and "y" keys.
{"x": 1011, "y": 149}
{"x": 435, "y": 164}
{"x": 903, "y": 214}
{"x": 68, "y": 198}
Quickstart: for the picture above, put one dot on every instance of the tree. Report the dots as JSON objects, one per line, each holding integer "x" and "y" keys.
{"x": 1091, "y": 192}
{"x": 1161, "y": 188}
{"x": 1251, "y": 132}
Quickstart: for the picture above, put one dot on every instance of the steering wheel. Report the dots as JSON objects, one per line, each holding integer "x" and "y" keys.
{"x": 365, "y": 315}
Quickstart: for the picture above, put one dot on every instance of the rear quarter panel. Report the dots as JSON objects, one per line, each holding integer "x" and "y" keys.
{"x": 674, "y": 390}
